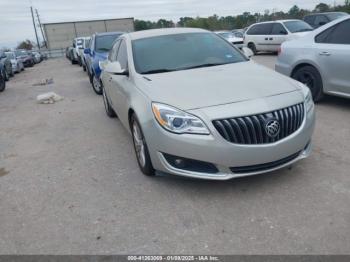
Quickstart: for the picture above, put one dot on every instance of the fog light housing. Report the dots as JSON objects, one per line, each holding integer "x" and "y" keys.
{"x": 190, "y": 164}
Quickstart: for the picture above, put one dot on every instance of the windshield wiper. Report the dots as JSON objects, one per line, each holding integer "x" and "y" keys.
{"x": 103, "y": 49}
{"x": 157, "y": 71}
{"x": 202, "y": 65}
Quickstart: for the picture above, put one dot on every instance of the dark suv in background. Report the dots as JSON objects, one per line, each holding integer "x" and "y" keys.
{"x": 7, "y": 65}
{"x": 317, "y": 20}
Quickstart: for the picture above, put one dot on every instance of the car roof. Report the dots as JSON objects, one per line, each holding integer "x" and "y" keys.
{"x": 109, "y": 33}
{"x": 326, "y": 13}
{"x": 164, "y": 31}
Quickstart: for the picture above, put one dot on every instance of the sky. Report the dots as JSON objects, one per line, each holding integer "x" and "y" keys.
{"x": 16, "y": 22}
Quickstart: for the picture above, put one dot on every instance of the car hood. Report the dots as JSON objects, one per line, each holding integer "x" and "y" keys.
{"x": 211, "y": 86}
{"x": 234, "y": 39}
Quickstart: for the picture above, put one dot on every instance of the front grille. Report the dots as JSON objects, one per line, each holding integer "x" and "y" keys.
{"x": 263, "y": 167}
{"x": 238, "y": 43}
{"x": 252, "y": 129}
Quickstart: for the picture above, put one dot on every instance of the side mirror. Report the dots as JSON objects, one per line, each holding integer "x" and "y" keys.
{"x": 114, "y": 68}
{"x": 322, "y": 23}
{"x": 247, "y": 52}
{"x": 87, "y": 51}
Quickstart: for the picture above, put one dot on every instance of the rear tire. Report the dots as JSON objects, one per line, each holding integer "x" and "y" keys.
{"x": 252, "y": 47}
{"x": 309, "y": 76}
{"x": 141, "y": 149}
{"x": 109, "y": 110}
{"x": 96, "y": 85}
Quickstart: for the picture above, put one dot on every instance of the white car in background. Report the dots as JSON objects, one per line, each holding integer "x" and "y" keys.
{"x": 232, "y": 38}
{"x": 320, "y": 60}
{"x": 17, "y": 64}
{"x": 268, "y": 36}
{"x": 79, "y": 44}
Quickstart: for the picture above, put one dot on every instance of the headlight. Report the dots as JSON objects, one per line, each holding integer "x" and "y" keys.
{"x": 309, "y": 103}
{"x": 177, "y": 121}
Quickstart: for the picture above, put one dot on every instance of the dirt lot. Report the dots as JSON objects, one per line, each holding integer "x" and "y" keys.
{"x": 69, "y": 184}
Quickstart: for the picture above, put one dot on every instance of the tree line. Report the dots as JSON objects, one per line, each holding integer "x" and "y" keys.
{"x": 216, "y": 22}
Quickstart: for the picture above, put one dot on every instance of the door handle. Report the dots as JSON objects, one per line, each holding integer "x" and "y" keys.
{"x": 271, "y": 38}
{"x": 266, "y": 38}
{"x": 325, "y": 53}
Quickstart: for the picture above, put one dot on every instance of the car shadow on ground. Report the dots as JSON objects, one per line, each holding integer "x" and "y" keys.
{"x": 337, "y": 102}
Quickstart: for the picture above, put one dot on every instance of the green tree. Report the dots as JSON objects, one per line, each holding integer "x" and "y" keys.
{"x": 27, "y": 44}
{"x": 322, "y": 7}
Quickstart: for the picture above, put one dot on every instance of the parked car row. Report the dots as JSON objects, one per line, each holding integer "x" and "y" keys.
{"x": 88, "y": 52}
{"x": 12, "y": 62}
{"x": 172, "y": 90}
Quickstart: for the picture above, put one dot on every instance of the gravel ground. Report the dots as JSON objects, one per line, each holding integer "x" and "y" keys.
{"x": 69, "y": 184}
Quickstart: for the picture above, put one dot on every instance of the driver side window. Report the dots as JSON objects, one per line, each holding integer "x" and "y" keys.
{"x": 122, "y": 57}
{"x": 113, "y": 53}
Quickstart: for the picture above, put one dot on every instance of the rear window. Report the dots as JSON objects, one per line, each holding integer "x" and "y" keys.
{"x": 309, "y": 19}
{"x": 334, "y": 16}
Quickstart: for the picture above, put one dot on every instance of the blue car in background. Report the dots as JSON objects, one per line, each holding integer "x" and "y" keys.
{"x": 98, "y": 50}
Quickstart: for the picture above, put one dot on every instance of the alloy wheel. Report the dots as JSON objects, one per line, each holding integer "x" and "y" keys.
{"x": 139, "y": 144}
{"x": 96, "y": 85}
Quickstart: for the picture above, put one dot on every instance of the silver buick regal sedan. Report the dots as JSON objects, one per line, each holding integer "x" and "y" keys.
{"x": 197, "y": 107}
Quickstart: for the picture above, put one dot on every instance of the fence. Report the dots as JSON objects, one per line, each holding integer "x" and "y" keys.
{"x": 54, "y": 53}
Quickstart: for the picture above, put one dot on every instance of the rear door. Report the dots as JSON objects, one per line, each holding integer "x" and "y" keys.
{"x": 333, "y": 53}
{"x": 277, "y": 37}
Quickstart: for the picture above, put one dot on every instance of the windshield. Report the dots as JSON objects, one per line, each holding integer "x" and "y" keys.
{"x": 21, "y": 53}
{"x": 104, "y": 43}
{"x": 297, "y": 26}
{"x": 333, "y": 16}
{"x": 10, "y": 55}
{"x": 182, "y": 51}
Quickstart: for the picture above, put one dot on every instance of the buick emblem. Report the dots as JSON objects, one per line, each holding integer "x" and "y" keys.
{"x": 272, "y": 127}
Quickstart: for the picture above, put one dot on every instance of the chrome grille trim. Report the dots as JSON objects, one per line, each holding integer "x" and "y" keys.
{"x": 251, "y": 129}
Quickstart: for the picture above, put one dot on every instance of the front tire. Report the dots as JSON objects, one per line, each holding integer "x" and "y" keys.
{"x": 2, "y": 84}
{"x": 141, "y": 149}
{"x": 309, "y": 76}
{"x": 6, "y": 75}
{"x": 109, "y": 110}
{"x": 252, "y": 47}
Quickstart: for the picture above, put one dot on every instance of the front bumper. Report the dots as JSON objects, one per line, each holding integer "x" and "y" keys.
{"x": 226, "y": 156}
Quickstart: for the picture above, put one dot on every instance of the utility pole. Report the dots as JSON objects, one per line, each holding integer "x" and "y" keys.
{"x": 41, "y": 27}
{"x": 36, "y": 34}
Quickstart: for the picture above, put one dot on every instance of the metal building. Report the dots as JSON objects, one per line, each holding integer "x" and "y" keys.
{"x": 61, "y": 35}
